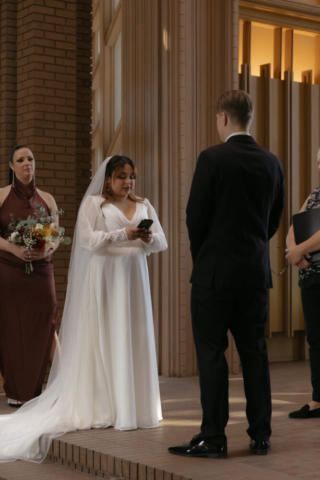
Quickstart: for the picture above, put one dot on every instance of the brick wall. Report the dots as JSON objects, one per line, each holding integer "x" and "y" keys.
{"x": 45, "y": 100}
{"x": 8, "y": 47}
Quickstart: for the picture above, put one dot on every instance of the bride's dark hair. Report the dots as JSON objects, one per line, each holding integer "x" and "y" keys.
{"x": 113, "y": 169}
{"x": 11, "y": 154}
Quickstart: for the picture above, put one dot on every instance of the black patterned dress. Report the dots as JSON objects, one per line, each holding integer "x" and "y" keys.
{"x": 309, "y": 281}
{"x": 311, "y": 275}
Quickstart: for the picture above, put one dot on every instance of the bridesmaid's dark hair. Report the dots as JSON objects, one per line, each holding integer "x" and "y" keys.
{"x": 10, "y": 174}
{"x": 114, "y": 167}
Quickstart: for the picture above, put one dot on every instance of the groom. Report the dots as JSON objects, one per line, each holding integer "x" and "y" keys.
{"x": 235, "y": 206}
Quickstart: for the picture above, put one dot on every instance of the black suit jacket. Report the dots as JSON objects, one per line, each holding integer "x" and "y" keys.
{"x": 235, "y": 207}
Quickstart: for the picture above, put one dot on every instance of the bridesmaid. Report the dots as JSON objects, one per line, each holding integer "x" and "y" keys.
{"x": 28, "y": 306}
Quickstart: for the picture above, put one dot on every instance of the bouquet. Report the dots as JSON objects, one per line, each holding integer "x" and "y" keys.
{"x": 38, "y": 232}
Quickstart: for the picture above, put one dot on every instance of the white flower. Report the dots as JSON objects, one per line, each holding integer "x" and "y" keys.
{"x": 13, "y": 236}
{"x": 39, "y": 226}
{"x": 49, "y": 244}
{"x": 53, "y": 225}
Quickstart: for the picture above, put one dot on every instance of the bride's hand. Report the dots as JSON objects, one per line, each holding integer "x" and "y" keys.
{"x": 133, "y": 233}
{"x": 146, "y": 236}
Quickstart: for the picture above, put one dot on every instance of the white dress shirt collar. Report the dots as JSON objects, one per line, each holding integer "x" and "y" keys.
{"x": 237, "y": 133}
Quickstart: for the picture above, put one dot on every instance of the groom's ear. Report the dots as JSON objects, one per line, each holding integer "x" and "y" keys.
{"x": 225, "y": 118}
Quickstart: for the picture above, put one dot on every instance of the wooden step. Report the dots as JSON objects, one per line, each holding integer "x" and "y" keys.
{"x": 84, "y": 460}
{"x": 43, "y": 471}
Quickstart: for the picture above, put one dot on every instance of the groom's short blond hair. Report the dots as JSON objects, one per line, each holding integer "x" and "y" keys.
{"x": 237, "y": 105}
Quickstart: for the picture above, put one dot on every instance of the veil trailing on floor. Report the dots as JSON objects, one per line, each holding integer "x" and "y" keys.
{"x": 27, "y": 433}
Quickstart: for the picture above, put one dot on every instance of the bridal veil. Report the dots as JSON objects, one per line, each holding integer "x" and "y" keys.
{"x": 27, "y": 433}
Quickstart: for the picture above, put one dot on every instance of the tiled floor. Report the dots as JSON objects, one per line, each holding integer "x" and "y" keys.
{"x": 142, "y": 454}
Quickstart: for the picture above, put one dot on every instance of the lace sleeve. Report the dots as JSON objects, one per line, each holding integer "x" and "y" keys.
{"x": 158, "y": 242}
{"x": 93, "y": 239}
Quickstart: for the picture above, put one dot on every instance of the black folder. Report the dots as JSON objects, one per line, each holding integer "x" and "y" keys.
{"x": 306, "y": 224}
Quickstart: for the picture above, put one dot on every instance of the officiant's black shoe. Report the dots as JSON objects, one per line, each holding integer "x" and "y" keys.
{"x": 198, "y": 447}
{"x": 260, "y": 448}
{"x": 305, "y": 412}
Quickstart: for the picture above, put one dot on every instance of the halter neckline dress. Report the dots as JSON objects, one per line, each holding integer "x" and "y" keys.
{"x": 28, "y": 305}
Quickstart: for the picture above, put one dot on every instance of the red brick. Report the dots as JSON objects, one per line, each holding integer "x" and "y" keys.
{"x": 56, "y": 20}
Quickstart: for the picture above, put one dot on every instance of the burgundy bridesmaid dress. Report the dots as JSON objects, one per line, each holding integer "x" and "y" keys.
{"x": 28, "y": 305}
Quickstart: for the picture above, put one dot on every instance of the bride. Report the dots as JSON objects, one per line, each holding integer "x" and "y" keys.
{"x": 106, "y": 372}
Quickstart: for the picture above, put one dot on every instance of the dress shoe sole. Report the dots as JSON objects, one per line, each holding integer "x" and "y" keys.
{"x": 260, "y": 451}
{"x": 201, "y": 455}
{"x": 303, "y": 418}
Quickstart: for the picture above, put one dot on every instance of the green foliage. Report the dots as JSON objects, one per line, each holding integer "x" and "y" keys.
{"x": 66, "y": 241}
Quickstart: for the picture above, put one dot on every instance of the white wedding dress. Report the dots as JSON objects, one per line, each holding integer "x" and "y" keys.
{"x": 117, "y": 295}
{"x": 107, "y": 371}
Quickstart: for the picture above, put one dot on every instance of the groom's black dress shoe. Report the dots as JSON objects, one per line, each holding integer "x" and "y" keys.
{"x": 260, "y": 448}
{"x": 198, "y": 447}
{"x": 305, "y": 412}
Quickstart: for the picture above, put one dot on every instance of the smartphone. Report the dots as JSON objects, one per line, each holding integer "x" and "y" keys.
{"x": 145, "y": 224}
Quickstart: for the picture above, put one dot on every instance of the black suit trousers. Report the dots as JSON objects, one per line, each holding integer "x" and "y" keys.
{"x": 244, "y": 313}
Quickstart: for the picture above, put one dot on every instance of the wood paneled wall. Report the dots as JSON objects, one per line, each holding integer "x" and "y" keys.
{"x": 171, "y": 50}
{"x": 287, "y": 123}
{"x": 178, "y": 57}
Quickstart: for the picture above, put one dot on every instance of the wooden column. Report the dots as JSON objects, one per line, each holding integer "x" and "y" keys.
{"x": 288, "y": 176}
{"x": 212, "y": 52}
{"x": 141, "y": 117}
{"x": 172, "y": 347}
{"x": 246, "y": 43}
{"x": 277, "y": 53}
{"x": 179, "y": 56}
{"x": 317, "y": 64}
{"x": 288, "y": 56}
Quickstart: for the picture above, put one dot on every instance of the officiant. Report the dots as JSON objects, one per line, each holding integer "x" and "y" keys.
{"x": 309, "y": 282}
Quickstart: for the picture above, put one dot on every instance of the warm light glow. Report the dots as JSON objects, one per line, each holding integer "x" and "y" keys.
{"x": 181, "y": 423}
{"x": 98, "y": 42}
{"x": 165, "y": 37}
{"x": 117, "y": 83}
{"x": 189, "y": 423}
{"x": 291, "y": 393}
{"x": 303, "y": 54}
{"x": 240, "y": 44}
{"x": 242, "y": 414}
{"x": 179, "y": 400}
{"x": 262, "y": 47}
{"x": 306, "y": 50}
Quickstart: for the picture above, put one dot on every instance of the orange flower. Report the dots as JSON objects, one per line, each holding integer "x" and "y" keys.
{"x": 46, "y": 231}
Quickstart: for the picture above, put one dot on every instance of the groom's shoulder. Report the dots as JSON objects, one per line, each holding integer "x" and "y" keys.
{"x": 216, "y": 149}
{"x": 271, "y": 158}
{"x": 213, "y": 154}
